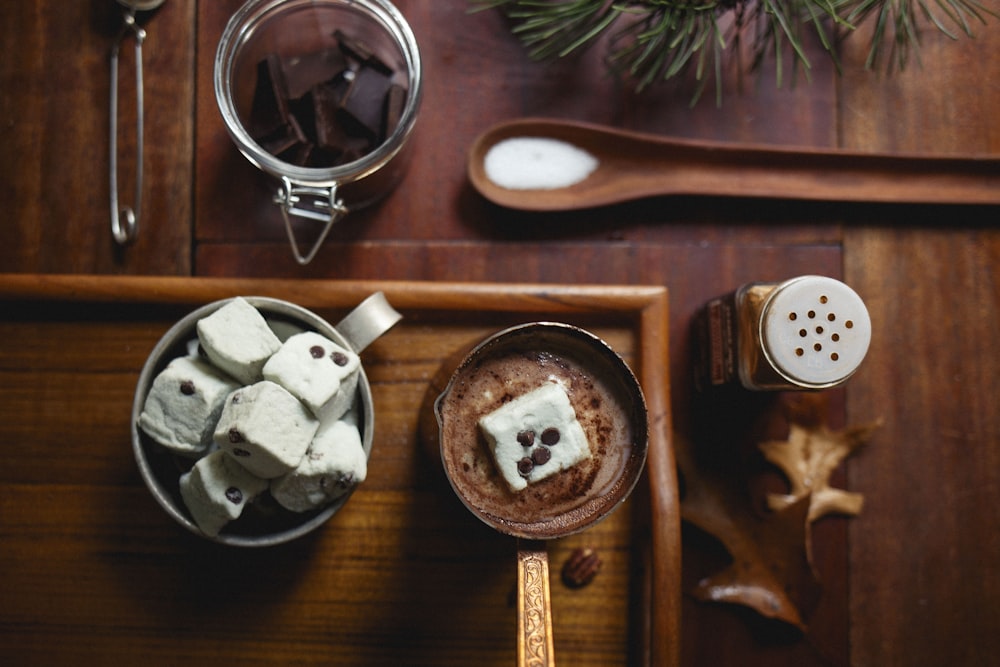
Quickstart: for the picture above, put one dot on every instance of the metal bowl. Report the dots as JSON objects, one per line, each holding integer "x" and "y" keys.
{"x": 264, "y": 522}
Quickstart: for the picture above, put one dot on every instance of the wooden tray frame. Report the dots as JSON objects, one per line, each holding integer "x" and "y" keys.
{"x": 645, "y": 306}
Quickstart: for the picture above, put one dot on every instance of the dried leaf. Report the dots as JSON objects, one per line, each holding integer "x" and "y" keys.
{"x": 810, "y": 455}
{"x": 771, "y": 570}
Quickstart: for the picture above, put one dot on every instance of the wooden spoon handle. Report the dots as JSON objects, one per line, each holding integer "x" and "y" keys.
{"x": 534, "y": 609}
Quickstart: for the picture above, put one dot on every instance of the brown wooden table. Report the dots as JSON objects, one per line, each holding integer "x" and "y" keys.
{"x": 94, "y": 572}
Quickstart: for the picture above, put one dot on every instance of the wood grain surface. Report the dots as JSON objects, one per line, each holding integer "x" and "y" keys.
{"x": 912, "y": 581}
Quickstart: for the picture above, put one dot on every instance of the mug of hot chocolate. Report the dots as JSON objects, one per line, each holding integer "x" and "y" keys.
{"x": 542, "y": 432}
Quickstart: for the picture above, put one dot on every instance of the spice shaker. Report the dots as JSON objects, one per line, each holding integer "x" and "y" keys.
{"x": 808, "y": 332}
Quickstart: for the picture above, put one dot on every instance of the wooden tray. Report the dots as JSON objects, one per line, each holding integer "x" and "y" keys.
{"x": 403, "y": 575}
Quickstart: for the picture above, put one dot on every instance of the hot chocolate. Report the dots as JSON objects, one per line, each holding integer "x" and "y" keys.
{"x": 608, "y": 405}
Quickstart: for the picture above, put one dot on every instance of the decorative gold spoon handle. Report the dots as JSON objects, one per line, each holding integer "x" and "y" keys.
{"x": 534, "y": 609}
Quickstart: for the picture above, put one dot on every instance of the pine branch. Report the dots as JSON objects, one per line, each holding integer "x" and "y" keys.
{"x": 659, "y": 40}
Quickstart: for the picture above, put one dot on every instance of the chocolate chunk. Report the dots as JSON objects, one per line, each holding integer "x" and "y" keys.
{"x": 284, "y": 138}
{"x": 526, "y": 438}
{"x": 302, "y": 72}
{"x": 234, "y": 495}
{"x": 541, "y": 456}
{"x": 327, "y": 98}
{"x": 395, "y": 102}
{"x": 361, "y": 52}
{"x": 327, "y": 108}
{"x": 303, "y": 109}
{"x": 550, "y": 436}
{"x": 339, "y": 358}
{"x": 235, "y": 436}
{"x": 361, "y": 111}
{"x": 269, "y": 109}
{"x": 240, "y": 452}
{"x": 187, "y": 387}
{"x": 297, "y": 153}
{"x": 316, "y": 352}
{"x": 525, "y": 466}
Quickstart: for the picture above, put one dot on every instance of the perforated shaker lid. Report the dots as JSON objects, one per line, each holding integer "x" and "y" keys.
{"x": 815, "y": 331}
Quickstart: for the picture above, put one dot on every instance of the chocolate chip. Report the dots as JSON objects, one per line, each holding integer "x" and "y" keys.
{"x": 316, "y": 352}
{"x": 550, "y": 436}
{"x": 187, "y": 387}
{"x": 526, "y": 438}
{"x": 240, "y": 452}
{"x": 234, "y": 495}
{"x": 339, "y": 358}
{"x": 525, "y": 466}
{"x": 235, "y": 398}
{"x": 541, "y": 456}
{"x": 235, "y": 435}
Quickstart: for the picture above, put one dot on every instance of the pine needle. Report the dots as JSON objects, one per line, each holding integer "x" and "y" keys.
{"x": 662, "y": 40}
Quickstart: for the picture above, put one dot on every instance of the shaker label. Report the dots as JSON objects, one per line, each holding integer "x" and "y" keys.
{"x": 718, "y": 340}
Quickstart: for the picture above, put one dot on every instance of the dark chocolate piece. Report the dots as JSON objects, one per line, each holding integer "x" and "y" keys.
{"x": 327, "y": 108}
{"x": 286, "y": 138}
{"x": 327, "y": 99}
{"x": 302, "y": 72}
{"x": 395, "y": 102}
{"x": 362, "y": 109}
{"x": 361, "y": 52}
{"x": 269, "y": 109}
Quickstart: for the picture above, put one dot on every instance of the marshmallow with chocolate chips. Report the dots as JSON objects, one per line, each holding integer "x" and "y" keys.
{"x": 334, "y": 464}
{"x": 184, "y": 404}
{"x": 216, "y": 490}
{"x": 265, "y": 429}
{"x": 317, "y": 371}
{"x": 534, "y": 436}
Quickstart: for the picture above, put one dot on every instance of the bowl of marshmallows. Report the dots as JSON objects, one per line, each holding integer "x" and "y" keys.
{"x": 252, "y": 421}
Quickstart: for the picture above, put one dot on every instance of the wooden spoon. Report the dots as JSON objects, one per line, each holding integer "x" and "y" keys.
{"x": 633, "y": 165}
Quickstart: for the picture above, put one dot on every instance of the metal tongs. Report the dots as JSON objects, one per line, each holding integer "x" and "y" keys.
{"x": 126, "y": 233}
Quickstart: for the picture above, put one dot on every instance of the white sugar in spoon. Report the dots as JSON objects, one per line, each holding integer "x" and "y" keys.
{"x": 630, "y": 165}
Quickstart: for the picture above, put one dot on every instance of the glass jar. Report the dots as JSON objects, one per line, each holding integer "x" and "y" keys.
{"x": 292, "y": 32}
{"x": 809, "y": 332}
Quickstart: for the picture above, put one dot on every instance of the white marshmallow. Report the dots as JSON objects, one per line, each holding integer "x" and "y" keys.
{"x": 265, "y": 429}
{"x": 183, "y": 405}
{"x": 312, "y": 368}
{"x": 217, "y": 489}
{"x": 334, "y": 464}
{"x": 547, "y": 407}
{"x": 337, "y": 407}
{"x": 237, "y": 339}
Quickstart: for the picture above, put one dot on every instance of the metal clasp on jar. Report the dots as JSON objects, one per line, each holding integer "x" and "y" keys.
{"x": 316, "y": 203}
